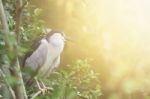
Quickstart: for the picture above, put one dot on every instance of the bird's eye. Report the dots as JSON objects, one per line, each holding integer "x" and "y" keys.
{"x": 63, "y": 34}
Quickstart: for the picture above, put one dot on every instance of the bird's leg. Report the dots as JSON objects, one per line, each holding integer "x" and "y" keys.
{"x": 46, "y": 89}
{"x": 39, "y": 87}
{"x": 37, "y": 82}
{"x": 42, "y": 87}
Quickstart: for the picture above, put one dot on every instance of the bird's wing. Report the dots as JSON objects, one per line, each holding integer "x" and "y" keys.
{"x": 38, "y": 57}
{"x": 54, "y": 65}
{"x": 34, "y": 46}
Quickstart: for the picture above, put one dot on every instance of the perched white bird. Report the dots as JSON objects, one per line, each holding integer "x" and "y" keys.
{"x": 46, "y": 54}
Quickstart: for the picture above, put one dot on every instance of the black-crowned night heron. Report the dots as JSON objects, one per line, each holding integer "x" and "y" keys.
{"x": 46, "y": 55}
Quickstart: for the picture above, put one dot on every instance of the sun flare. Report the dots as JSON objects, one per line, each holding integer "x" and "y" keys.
{"x": 117, "y": 35}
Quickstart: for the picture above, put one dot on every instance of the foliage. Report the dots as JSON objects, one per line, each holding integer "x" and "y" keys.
{"x": 76, "y": 81}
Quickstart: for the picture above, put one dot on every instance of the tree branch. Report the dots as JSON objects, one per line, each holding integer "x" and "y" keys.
{"x": 5, "y": 32}
{"x": 20, "y": 88}
{"x": 3, "y": 18}
{"x": 19, "y": 5}
{"x": 4, "y": 23}
{"x": 9, "y": 87}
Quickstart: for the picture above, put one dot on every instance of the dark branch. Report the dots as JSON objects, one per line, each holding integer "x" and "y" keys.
{"x": 19, "y": 5}
{"x": 19, "y": 88}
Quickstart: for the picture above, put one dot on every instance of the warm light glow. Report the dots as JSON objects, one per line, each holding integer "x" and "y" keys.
{"x": 127, "y": 22}
{"x": 114, "y": 33}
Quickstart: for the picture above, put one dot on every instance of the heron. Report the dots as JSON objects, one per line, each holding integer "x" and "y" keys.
{"x": 45, "y": 57}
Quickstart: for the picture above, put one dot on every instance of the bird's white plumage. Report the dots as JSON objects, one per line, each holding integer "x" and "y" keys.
{"x": 47, "y": 56}
{"x": 38, "y": 57}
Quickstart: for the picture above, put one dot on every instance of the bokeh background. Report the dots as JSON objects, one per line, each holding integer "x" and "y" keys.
{"x": 113, "y": 34}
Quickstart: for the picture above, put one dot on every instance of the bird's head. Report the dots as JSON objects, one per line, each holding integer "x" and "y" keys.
{"x": 56, "y": 38}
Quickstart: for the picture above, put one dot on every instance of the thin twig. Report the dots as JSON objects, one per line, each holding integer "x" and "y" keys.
{"x": 26, "y": 3}
{"x": 36, "y": 94}
{"x": 39, "y": 92}
{"x": 9, "y": 87}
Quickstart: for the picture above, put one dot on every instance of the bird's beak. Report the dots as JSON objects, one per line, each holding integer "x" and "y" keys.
{"x": 67, "y": 38}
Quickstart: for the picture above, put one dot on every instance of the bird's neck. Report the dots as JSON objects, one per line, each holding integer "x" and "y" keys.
{"x": 57, "y": 44}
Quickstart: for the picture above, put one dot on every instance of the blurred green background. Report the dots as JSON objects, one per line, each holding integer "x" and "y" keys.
{"x": 113, "y": 34}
